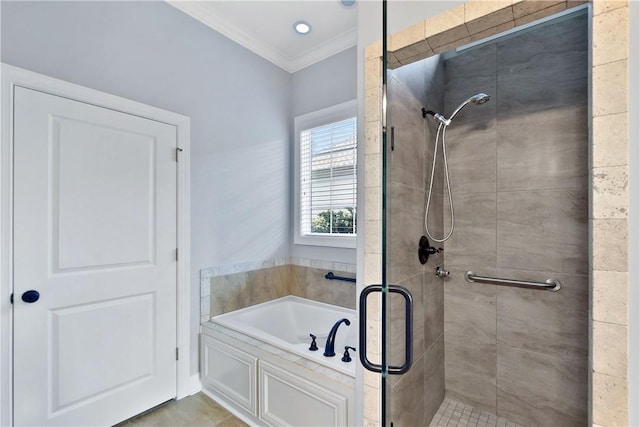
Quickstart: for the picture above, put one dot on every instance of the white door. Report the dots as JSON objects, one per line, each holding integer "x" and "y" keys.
{"x": 95, "y": 235}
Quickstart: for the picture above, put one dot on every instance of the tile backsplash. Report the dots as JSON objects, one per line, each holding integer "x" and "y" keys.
{"x": 231, "y": 287}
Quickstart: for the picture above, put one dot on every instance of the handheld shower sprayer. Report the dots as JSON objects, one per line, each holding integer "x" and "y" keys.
{"x": 478, "y": 99}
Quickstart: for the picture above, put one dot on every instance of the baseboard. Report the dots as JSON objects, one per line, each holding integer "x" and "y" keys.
{"x": 193, "y": 385}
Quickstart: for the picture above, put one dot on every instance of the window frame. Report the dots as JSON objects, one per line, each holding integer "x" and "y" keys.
{"x": 335, "y": 113}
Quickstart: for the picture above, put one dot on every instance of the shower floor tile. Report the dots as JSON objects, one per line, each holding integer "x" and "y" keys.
{"x": 455, "y": 414}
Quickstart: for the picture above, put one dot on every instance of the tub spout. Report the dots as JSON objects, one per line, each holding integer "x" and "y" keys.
{"x": 329, "y": 350}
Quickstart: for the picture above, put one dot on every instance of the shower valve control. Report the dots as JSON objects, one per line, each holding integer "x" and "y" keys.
{"x": 441, "y": 272}
{"x": 425, "y": 249}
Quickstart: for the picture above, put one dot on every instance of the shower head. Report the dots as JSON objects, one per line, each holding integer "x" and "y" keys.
{"x": 478, "y": 99}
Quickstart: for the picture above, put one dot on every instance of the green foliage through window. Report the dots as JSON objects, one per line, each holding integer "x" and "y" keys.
{"x": 335, "y": 221}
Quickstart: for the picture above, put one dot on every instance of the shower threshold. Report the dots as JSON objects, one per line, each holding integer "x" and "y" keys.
{"x": 453, "y": 413}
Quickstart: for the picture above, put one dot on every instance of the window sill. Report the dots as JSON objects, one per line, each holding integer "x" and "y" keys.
{"x": 329, "y": 241}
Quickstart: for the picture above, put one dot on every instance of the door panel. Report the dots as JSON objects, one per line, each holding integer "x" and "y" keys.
{"x": 83, "y": 149}
{"x": 91, "y": 326}
{"x": 95, "y": 234}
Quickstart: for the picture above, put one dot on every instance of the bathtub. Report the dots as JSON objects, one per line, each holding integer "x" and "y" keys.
{"x": 287, "y": 322}
{"x": 256, "y": 363}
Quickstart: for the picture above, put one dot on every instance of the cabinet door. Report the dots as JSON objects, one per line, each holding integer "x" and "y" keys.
{"x": 230, "y": 373}
{"x": 288, "y": 400}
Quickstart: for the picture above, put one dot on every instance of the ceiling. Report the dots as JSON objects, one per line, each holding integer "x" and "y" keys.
{"x": 266, "y": 27}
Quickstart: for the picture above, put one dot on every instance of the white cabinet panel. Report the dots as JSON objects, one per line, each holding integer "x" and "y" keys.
{"x": 231, "y": 372}
{"x": 288, "y": 400}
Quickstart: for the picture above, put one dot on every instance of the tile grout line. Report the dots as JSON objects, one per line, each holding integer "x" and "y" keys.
{"x": 610, "y": 323}
{"x": 609, "y": 375}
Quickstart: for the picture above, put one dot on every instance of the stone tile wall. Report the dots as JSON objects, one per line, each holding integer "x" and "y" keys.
{"x": 609, "y": 212}
{"x": 224, "y": 290}
{"x": 519, "y": 172}
{"x": 418, "y": 393}
{"x": 372, "y": 213}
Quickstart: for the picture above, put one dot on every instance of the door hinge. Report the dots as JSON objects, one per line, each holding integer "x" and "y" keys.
{"x": 11, "y": 298}
{"x": 177, "y": 256}
{"x": 178, "y": 151}
{"x": 177, "y": 353}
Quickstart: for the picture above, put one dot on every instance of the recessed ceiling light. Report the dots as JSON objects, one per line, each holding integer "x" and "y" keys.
{"x": 302, "y": 27}
{"x": 348, "y": 3}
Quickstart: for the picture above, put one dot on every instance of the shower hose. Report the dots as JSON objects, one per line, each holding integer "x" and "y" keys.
{"x": 442, "y": 128}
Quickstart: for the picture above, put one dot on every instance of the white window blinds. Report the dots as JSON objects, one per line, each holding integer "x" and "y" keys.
{"x": 328, "y": 182}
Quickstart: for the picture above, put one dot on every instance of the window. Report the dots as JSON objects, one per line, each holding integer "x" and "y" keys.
{"x": 326, "y": 181}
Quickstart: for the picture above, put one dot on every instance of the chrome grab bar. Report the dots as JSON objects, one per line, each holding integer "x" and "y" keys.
{"x": 551, "y": 284}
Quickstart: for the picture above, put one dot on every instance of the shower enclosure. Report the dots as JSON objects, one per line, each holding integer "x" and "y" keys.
{"x": 501, "y": 332}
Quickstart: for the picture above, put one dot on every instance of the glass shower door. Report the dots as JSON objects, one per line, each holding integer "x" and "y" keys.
{"x": 489, "y": 97}
{"x": 395, "y": 299}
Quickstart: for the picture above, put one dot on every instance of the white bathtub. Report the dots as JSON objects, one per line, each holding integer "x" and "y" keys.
{"x": 287, "y": 322}
{"x": 256, "y": 363}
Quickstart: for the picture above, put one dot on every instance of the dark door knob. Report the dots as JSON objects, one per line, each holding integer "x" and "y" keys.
{"x": 31, "y": 296}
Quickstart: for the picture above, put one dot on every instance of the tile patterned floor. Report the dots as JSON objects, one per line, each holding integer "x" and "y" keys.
{"x": 455, "y": 414}
{"x": 193, "y": 411}
{"x": 199, "y": 410}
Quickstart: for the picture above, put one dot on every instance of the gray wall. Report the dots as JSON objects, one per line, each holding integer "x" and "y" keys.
{"x": 325, "y": 83}
{"x": 239, "y": 106}
{"x": 321, "y": 85}
{"x": 519, "y": 172}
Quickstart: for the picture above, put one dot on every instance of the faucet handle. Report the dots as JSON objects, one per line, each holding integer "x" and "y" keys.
{"x": 347, "y": 357}
{"x": 314, "y": 346}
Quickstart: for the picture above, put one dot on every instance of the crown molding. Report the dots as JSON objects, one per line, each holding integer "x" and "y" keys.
{"x": 200, "y": 12}
{"x": 330, "y": 47}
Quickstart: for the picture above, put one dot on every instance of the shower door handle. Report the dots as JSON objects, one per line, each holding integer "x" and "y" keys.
{"x": 374, "y": 367}
{"x": 408, "y": 346}
{"x": 408, "y": 331}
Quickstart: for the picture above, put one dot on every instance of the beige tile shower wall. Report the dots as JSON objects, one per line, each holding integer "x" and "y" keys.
{"x": 229, "y": 292}
{"x": 316, "y": 287}
{"x": 239, "y": 290}
{"x": 373, "y": 225}
{"x": 227, "y": 270}
{"x": 609, "y": 212}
